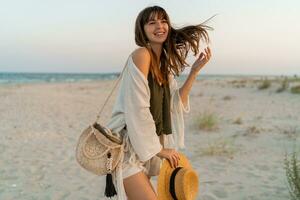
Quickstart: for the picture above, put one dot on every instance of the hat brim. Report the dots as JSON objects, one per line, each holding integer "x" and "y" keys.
{"x": 166, "y": 170}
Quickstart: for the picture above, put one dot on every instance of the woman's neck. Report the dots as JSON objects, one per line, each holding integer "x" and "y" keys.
{"x": 157, "y": 50}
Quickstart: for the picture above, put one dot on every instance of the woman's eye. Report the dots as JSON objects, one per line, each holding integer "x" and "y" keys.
{"x": 153, "y": 22}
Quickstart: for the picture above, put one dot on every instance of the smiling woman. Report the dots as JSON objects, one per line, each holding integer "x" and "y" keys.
{"x": 149, "y": 108}
{"x": 153, "y": 29}
{"x": 157, "y": 30}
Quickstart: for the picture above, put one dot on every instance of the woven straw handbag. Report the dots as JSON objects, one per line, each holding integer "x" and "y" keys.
{"x": 99, "y": 150}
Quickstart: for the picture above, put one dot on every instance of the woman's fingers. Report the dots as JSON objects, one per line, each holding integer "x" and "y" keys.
{"x": 175, "y": 160}
{"x": 206, "y": 51}
{"x": 209, "y": 51}
{"x": 177, "y": 156}
{"x": 201, "y": 55}
{"x": 172, "y": 162}
{"x": 173, "y": 157}
{"x": 205, "y": 56}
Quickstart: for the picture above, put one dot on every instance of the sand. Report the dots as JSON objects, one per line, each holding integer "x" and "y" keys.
{"x": 241, "y": 157}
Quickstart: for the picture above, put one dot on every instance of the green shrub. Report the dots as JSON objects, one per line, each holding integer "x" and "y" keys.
{"x": 264, "y": 84}
{"x": 227, "y": 98}
{"x": 252, "y": 130}
{"x": 238, "y": 120}
{"x": 295, "y": 89}
{"x": 284, "y": 85}
{"x": 219, "y": 147}
{"x": 207, "y": 121}
{"x": 292, "y": 168}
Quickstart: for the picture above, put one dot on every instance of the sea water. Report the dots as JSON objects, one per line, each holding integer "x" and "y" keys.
{"x": 21, "y": 77}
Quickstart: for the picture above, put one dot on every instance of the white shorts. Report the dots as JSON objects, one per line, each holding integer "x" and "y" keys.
{"x": 132, "y": 165}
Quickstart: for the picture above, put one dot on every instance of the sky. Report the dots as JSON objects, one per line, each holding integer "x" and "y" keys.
{"x": 96, "y": 36}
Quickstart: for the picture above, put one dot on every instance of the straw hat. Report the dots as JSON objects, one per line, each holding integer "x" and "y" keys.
{"x": 181, "y": 182}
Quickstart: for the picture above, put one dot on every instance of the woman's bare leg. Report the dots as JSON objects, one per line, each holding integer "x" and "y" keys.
{"x": 139, "y": 187}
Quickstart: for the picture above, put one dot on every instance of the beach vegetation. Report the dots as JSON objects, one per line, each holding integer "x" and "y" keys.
{"x": 290, "y": 131}
{"x": 252, "y": 130}
{"x": 295, "y": 78}
{"x": 227, "y": 98}
{"x": 292, "y": 170}
{"x": 238, "y": 121}
{"x": 239, "y": 83}
{"x": 207, "y": 121}
{"x": 295, "y": 89}
{"x": 284, "y": 85}
{"x": 264, "y": 84}
{"x": 219, "y": 147}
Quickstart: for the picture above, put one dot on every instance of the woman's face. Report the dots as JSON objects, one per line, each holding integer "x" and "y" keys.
{"x": 156, "y": 30}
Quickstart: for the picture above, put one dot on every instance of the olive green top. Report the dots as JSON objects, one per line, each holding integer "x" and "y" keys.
{"x": 160, "y": 106}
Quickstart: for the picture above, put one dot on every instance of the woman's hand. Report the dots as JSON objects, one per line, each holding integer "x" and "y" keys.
{"x": 171, "y": 155}
{"x": 198, "y": 64}
{"x": 201, "y": 61}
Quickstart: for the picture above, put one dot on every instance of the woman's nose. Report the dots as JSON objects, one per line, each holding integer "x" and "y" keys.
{"x": 159, "y": 25}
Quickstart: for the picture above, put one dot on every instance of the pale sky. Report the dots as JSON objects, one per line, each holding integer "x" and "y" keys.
{"x": 250, "y": 37}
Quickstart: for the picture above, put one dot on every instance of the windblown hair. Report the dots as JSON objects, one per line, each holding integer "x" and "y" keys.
{"x": 176, "y": 47}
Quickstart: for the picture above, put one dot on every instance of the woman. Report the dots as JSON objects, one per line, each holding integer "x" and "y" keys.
{"x": 149, "y": 108}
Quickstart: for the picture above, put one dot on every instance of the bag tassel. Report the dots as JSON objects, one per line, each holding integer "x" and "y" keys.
{"x": 110, "y": 190}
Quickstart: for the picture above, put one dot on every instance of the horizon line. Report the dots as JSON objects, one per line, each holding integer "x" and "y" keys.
{"x": 210, "y": 74}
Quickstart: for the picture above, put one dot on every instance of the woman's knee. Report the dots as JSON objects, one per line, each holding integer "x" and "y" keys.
{"x": 138, "y": 187}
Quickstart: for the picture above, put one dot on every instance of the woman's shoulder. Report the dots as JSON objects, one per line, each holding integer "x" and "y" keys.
{"x": 141, "y": 51}
{"x": 141, "y": 58}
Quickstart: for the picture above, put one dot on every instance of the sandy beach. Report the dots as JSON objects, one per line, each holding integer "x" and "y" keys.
{"x": 239, "y": 157}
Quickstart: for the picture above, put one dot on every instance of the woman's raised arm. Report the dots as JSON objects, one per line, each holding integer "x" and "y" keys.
{"x": 198, "y": 64}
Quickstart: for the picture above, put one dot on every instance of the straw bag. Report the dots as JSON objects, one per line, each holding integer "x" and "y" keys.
{"x": 99, "y": 150}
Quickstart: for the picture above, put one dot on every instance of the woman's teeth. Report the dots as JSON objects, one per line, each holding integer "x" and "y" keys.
{"x": 158, "y": 34}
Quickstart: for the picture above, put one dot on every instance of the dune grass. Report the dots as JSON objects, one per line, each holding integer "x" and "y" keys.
{"x": 238, "y": 121}
{"x": 239, "y": 83}
{"x": 219, "y": 147}
{"x": 252, "y": 130}
{"x": 264, "y": 84}
{"x": 295, "y": 78}
{"x": 284, "y": 85}
{"x": 295, "y": 89}
{"x": 207, "y": 121}
{"x": 290, "y": 131}
{"x": 227, "y": 98}
{"x": 292, "y": 169}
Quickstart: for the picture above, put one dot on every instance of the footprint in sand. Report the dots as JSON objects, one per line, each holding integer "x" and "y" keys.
{"x": 38, "y": 177}
{"x": 262, "y": 167}
{"x": 207, "y": 197}
{"x": 240, "y": 187}
{"x": 272, "y": 178}
{"x": 220, "y": 193}
{"x": 80, "y": 188}
{"x": 252, "y": 175}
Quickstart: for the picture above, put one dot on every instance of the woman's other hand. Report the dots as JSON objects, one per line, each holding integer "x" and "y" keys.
{"x": 201, "y": 61}
{"x": 171, "y": 155}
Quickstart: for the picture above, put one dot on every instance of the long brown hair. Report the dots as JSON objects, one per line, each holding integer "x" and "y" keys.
{"x": 176, "y": 47}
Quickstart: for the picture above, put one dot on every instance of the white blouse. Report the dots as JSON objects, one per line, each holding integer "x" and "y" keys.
{"x": 132, "y": 109}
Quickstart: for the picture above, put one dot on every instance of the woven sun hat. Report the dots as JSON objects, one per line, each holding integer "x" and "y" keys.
{"x": 180, "y": 183}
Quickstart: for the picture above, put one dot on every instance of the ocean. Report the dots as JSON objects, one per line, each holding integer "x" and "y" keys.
{"x": 16, "y": 78}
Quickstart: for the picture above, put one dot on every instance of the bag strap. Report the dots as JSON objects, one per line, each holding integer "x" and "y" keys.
{"x": 110, "y": 94}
